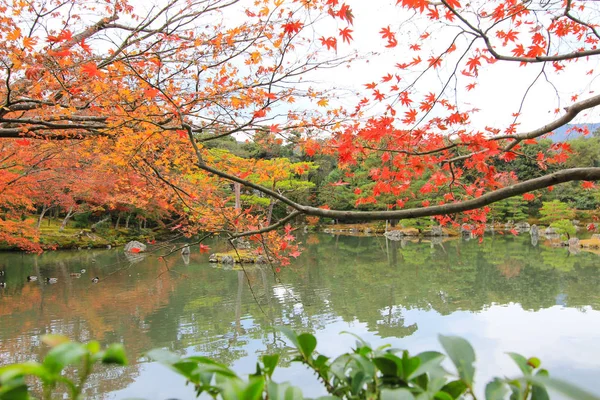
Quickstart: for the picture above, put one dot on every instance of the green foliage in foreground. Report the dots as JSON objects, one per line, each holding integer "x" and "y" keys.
{"x": 365, "y": 373}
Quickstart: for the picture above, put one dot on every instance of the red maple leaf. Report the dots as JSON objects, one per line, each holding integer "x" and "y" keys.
{"x": 346, "y": 35}
{"x": 204, "y": 248}
{"x": 91, "y": 70}
{"x": 529, "y": 196}
{"x": 292, "y": 27}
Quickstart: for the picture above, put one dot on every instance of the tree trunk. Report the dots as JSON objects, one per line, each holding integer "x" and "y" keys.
{"x": 270, "y": 212}
{"x": 127, "y": 221}
{"x": 237, "y": 188}
{"x": 68, "y": 216}
{"x": 118, "y": 220}
{"x": 44, "y": 211}
{"x": 93, "y": 227}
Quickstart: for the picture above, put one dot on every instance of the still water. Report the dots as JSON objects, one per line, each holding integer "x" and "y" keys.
{"x": 502, "y": 295}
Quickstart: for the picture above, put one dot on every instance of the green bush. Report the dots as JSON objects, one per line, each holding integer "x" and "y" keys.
{"x": 365, "y": 373}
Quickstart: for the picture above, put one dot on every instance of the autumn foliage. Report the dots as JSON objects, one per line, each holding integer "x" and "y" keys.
{"x": 113, "y": 106}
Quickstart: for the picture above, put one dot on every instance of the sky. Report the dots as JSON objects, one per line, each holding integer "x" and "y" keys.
{"x": 500, "y": 86}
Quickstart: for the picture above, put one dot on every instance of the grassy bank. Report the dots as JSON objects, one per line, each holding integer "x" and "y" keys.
{"x": 71, "y": 237}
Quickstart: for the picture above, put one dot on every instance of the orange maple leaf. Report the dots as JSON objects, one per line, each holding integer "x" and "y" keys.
{"x": 91, "y": 70}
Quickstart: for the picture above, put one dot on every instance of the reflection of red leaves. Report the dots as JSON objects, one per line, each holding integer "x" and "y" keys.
{"x": 514, "y": 232}
{"x": 153, "y": 241}
{"x": 278, "y": 270}
{"x": 591, "y": 227}
{"x": 204, "y": 248}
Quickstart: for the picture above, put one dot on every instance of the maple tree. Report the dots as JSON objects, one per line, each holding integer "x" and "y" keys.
{"x": 137, "y": 94}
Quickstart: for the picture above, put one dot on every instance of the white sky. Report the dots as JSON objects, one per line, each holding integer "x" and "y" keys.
{"x": 500, "y": 86}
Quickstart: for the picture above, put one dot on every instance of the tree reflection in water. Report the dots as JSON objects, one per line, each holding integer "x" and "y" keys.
{"x": 201, "y": 308}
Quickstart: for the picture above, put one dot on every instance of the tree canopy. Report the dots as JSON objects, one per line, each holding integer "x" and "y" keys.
{"x": 122, "y": 105}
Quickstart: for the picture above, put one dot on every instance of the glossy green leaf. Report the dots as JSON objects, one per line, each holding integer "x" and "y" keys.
{"x": 455, "y": 388}
{"x": 386, "y": 366}
{"x": 291, "y": 335}
{"x": 283, "y": 391}
{"x": 307, "y": 343}
{"x": 115, "y": 354}
{"x": 14, "y": 371}
{"x": 442, "y": 396}
{"x": 565, "y": 388}
{"x": 16, "y": 390}
{"x": 462, "y": 355}
{"x": 429, "y": 360}
{"x": 409, "y": 365}
{"x": 361, "y": 342}
{"x": 270, "y": 363}
{"x": 521, "y": 362}
{"x": 496, "y": 390}
{"x": 396, "y": 394}
{"x": 539, "y": 393}
{"x": 62, "y": 355}
{"x": 93, "y": 347}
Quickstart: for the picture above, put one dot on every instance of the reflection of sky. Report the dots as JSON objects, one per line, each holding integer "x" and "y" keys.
{"x": 566, "y": 340}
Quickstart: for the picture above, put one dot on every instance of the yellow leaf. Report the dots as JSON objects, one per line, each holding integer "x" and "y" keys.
{"x": 14, "y": 35}
{"x": 29, "y": 42}
{"x": 323, "y": 102}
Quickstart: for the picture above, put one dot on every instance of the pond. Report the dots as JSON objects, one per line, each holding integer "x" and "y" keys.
{"x": 502, "y": 295}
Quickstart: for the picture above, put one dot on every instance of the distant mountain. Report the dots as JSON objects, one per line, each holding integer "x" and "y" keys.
{"x": 561, "y": 134}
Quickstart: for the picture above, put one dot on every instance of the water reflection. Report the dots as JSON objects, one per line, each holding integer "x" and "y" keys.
{"x": 503, "y": 294}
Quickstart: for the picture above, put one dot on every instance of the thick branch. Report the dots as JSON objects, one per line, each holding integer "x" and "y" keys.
{"x": 567, "y": 175}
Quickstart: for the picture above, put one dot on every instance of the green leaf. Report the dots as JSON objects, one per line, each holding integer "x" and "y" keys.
{"x": 396, "y": 394}
{"x": 93, "y": 347}
{"x": 62, "y": 355}
{"x": 455, "y": 388}
{"x": 15, "y": 371}
{"x": 442, "y": 396}
{"x": 361, "y": 342}
{"x": 568, "y": 389}
{"x": 462, "y": 355}
{"x": 307, "y": 344}
{"x": 539, "y": 393}
{"x": 290, "y": 334}
{"x": 409, "y": 364}
{"x": 283, "y": 391}
{"x": 270, "y": 363}
{"x": 15, "y": 390}
{"x": 521, "y": 362}
{"x": 429, "y": 361}
{"x": 163, "y": 356}
{"x": 534, "y": 362}
{"x": 496, "y": 390}
{"x": 115, "y": 354}
{"x": 386, "y": 366}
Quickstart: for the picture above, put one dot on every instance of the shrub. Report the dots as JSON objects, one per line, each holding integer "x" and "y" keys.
{"x": 365, "y": 373}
